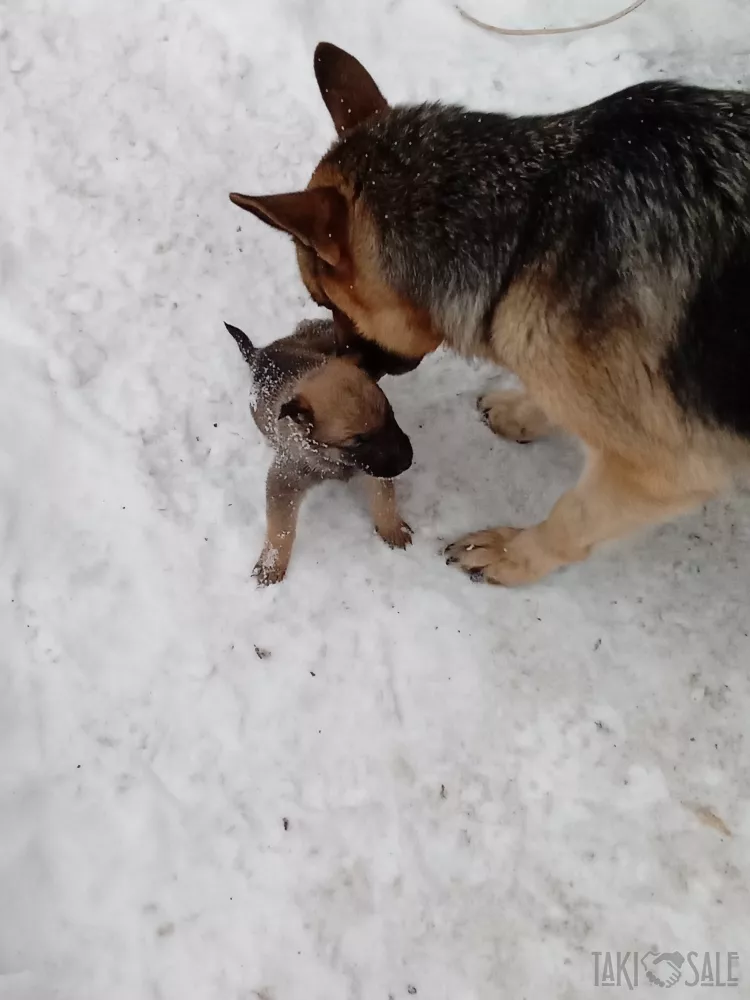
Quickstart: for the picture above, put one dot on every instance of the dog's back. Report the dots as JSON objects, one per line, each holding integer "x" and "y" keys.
{"x": 639, "y": 203}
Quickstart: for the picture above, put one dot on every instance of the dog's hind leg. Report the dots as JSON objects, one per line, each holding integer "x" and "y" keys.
{"x": 613, "y": 498}
{"x": 512, "y": 414}
{"x": 385, "y": 515}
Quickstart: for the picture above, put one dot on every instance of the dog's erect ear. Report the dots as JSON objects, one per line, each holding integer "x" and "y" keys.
{"x": 349, "y": 92}
{"x": 316, "y": 217}
{"x": 299, "y": 410}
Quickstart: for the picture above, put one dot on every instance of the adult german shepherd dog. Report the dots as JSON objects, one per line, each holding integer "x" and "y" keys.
{"x": 602, "y": 254}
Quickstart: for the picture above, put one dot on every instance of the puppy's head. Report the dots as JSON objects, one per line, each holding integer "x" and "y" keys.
{"x": 338, "y": 245}
{"x": 347, "y": 418}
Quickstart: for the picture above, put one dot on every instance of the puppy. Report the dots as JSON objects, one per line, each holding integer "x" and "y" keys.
{"x": 325, "y": 418}
{"x": 602, "y": 254}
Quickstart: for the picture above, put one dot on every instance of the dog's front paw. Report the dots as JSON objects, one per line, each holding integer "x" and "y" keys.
{"x": 511, "y": 414}
{"x": 398, "y": 535}
{"x": 269, "y": 568}
{"x": 504, "y": 556}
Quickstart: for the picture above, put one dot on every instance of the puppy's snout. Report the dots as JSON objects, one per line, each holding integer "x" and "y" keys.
{"x": 389, "y": 457}
{"x": 404, "y": 454}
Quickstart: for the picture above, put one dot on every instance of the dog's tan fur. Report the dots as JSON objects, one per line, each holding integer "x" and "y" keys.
{"x": 356, "y": 285}
{"x": 512, "y": 414}
{"x": 647, "y": 461}
{"x": 327, "y": 419}
{"x": 283, "y": 500}
{"x": 385, "y": 515}
{"x": 344, "y": 400}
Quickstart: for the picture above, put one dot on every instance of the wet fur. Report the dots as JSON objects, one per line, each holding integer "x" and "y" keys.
{"x": 602, "y": 254}
{"x": 313, "y": 399}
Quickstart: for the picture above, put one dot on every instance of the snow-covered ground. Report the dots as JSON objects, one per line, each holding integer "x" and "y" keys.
{"x": 377, "y": 779}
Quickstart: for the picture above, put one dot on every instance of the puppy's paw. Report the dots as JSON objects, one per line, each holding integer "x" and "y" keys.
{"x": 504, "y": 556}
{"x": 510, "y": 413}
{"x": 398, "y": 535}
{"x": 269, "y": 568}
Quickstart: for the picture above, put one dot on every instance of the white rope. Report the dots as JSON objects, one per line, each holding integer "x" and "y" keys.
{"x": 550, "y": 31}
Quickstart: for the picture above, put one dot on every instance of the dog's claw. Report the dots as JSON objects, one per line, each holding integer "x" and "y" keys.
{"x": 399, "y": 537}
{"x": 476, "y": 576}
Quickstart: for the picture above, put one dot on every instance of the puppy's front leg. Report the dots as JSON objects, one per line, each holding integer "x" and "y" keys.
{"x": 284, "y": 493}
{"x": 385, "y": 515}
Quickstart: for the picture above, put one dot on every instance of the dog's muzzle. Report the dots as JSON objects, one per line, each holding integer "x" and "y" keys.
{"x": 388, "y": 458}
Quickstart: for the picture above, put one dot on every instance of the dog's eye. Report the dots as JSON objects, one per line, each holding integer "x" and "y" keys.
{"x": 360, "y": 440}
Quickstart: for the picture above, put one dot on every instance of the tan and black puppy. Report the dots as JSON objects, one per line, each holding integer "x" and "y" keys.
{"x": 315, "y": 398}
{"x": 602, "y": 254}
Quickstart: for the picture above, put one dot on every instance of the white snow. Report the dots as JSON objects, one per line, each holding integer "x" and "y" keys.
{"x": 480, "y": 787}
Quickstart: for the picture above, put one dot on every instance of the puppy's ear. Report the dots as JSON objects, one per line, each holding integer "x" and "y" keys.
{"x": 316, "y": 217}
{"x": 299, "y": 410}
{"x": 349, "y": 92}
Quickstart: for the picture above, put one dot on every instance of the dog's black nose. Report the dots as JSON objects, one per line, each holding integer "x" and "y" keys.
{"x": 404, "y": 455}
{"x": 389, "y": 459}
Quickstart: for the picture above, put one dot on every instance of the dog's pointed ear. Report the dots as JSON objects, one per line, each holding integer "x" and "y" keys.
{"x": 299, "y": 410}
{"x": 316, "y": 217}
{"x": 349, "y": 92}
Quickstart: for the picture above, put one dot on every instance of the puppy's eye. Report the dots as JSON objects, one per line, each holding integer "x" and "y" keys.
{"x": 360, "y": 440}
